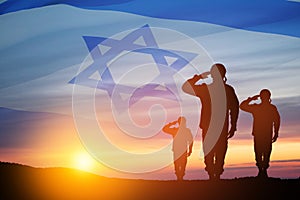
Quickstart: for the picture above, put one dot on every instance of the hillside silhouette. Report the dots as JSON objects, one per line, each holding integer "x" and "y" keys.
{"x": 25, "y": 182}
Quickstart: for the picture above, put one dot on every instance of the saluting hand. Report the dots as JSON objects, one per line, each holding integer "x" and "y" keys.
{"x": 255, "y": 97}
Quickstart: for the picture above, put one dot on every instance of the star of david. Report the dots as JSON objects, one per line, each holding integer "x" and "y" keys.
{"x": 128, "y": 43}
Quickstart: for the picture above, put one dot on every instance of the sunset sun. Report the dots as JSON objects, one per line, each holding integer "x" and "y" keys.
{"x": 83, "y": 161}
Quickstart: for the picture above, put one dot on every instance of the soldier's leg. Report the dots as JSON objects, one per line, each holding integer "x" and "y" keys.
{"x": 266, "y": 157}
{"x": 208, "y": 157}
{"x": 209, "y": 163}
{"x": 267, "y": 154}
{"x": 220, "y": 157}
{"x": 182, "y": 163}
{"x": 258, "y": 155}
{"x": 176, "y": 165}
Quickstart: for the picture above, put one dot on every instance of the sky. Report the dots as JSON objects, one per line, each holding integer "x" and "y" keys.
{"x": 90, "y": 85}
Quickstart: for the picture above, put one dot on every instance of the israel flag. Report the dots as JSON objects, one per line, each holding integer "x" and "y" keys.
{"x": 81, "y": 59}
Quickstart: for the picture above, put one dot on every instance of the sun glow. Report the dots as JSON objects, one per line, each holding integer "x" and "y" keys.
{"x": 83, "y": 161}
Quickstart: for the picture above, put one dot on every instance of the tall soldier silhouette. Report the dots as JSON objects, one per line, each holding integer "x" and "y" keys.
{"x": 214, "y": 157}
{"x": 266, "y": 118}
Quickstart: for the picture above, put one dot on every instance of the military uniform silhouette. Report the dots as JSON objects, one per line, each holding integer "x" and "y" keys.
{"x": 182, "y": 144}
{"x": 214, "y": 158}
{"x": 266, "y": 118}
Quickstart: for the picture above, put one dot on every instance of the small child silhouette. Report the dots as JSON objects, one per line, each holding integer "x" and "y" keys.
{"x": 182, "y": 144}
{"x": 265, "y": 118}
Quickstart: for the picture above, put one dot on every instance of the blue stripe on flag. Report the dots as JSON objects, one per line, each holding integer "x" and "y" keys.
{"x": 272, "y": 16}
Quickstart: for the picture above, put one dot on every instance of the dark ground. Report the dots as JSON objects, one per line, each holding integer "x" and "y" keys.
{"x": 24, "y": 182}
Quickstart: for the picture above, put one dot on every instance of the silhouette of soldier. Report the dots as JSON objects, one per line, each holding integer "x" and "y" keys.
{"x": 266, "y": 118}
{"x": 182, "y": 144}
{"x": 214, "y": 157}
